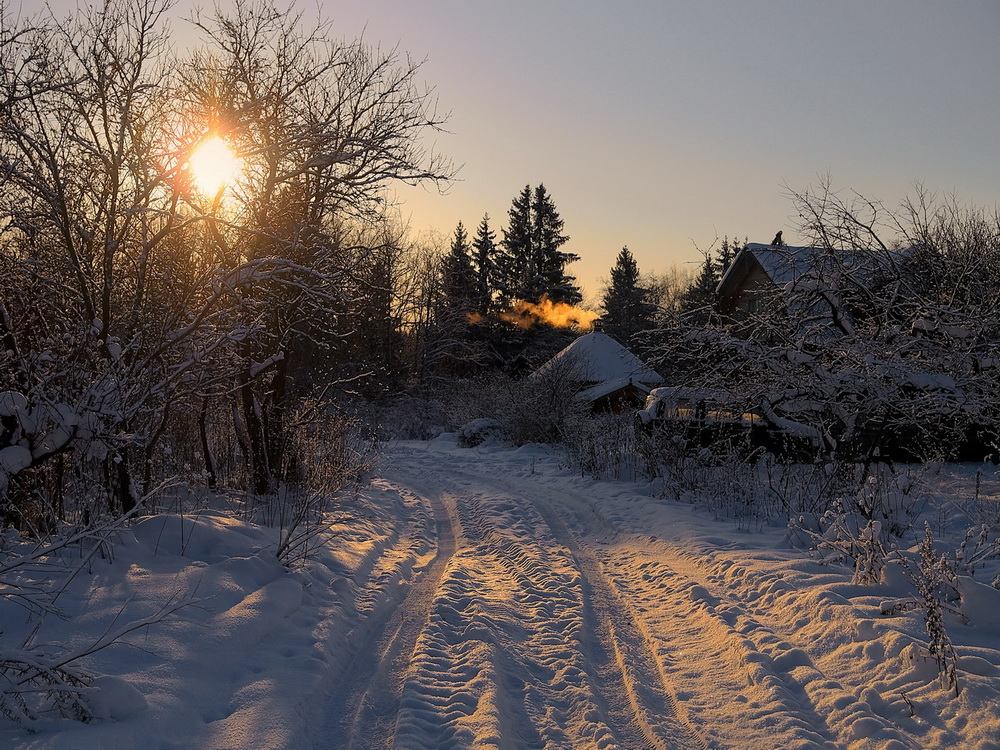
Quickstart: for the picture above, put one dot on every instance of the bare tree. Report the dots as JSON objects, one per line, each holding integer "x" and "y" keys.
{"x": 127, "y": 295}
{"x": 322, "y": 126}
{"x": 883, "y": 339}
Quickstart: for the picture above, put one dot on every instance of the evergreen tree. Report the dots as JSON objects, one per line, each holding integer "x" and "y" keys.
{"x": 458, "y": 280}
{"x": 549, "y": 275}
{"x": 485, "y": 264}
{"x": 727, "y": 253}
{"x": 515, "y": 264}
{"x": 533, "y": 264}
{"x": 627, "y": 309}
{"x": 699, "y": 299}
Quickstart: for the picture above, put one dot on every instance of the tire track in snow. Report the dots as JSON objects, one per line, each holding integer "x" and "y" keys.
{"x": 686, "y": 609}
{"x": 822, "y": 709}
{"x": 362, "y": 711}
{"x": 639, "y": 702}
{"x": 840, "y": 711}
{"x": 499, "y": 664}
{"x": 651, "y": 707}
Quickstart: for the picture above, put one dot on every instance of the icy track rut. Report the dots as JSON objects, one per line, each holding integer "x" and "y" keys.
{"x": 361, "y": 711}
{"x": 546, "y": 619}
{"x": 510, "y": 637}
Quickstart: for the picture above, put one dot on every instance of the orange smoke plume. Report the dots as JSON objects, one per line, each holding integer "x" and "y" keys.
{"x": 525, "y": 314}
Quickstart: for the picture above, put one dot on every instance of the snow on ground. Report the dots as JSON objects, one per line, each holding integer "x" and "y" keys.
{"x": 489, "y": 597}
{"x": 243, "y": 666}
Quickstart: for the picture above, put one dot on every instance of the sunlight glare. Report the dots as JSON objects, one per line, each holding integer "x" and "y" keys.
{"x": 213, "y": 166}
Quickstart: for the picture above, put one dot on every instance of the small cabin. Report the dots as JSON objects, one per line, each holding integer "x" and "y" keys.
{"x": 606, "y": 375}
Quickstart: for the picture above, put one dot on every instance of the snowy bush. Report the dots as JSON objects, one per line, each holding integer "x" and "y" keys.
{"x": 604, "y": 446}
{"x": 980, "y": 544}
{"x": 479, "y": 431}
{"x": 934, "y": 578}
{"x": 418, "y": 415}
{"x": 841, "y": 538}
{"x": 535, "y": 409}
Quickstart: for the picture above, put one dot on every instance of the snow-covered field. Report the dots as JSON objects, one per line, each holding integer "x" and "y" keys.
{"x": 488, "y": 597}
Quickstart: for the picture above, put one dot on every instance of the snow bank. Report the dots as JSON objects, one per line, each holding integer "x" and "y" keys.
{"x": 479, "y": 431}
{"x": 243, "y": 665}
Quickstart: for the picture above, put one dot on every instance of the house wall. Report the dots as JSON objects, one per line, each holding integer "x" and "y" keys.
{"x": 624, "y": 399}
{"x": 744, "y": 292}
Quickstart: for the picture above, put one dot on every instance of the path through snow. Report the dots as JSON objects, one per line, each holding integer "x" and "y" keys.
{"x": 492, "y": 598}
{"x": 362, "y": 709}
{"x": 563, "y": 613}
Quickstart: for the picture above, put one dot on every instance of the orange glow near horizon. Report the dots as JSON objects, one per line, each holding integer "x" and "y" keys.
{"x": 213, "y": 166}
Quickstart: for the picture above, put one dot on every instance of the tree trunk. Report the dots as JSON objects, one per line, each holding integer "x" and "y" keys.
{"x": 276, "y": 433}
{"x": 205, "y": 450}
{"x": 147, "y": 468}
{"x": 124, "y": 495}
{"x": 260, "y": 472}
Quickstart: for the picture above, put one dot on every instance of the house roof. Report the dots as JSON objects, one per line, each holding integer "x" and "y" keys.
{"x": 608, "y": 387}
{"x": 780, "y": 264}
{"x": 600, "y": 358}
{"x": 789, "y": 264}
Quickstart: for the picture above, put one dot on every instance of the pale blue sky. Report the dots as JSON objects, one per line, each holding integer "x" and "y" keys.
{"x": 659, "y": 124}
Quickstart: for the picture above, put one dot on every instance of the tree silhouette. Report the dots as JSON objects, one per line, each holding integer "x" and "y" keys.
{"x": 627, "y": 309}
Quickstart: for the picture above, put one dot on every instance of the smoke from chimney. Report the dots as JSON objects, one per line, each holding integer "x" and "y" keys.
{"x": 525, "y": 314}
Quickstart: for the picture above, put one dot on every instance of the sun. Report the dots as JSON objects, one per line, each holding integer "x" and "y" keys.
{"x": 213, "y": 166}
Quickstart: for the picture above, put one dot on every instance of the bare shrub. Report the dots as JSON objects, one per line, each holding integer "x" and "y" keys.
{"x": 540, "y": 407}
{"x": 933, "y": 576}
{"x": 976, "y": 548}
{"x": 536, "y": 409}
{"x": 844, "y": 539}
{"x": 483, "y": 397}
{"x": 835, "y": 499}
{"x": 604, "y": 446}
{"x": 859, "y": 512}
{"x": 330, "y": 455}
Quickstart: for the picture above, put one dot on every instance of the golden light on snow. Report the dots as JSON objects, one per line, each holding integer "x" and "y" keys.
{"x": 213, "y": 166}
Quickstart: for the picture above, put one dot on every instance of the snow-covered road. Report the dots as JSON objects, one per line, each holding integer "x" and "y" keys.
{"x": 560, "y": 612}
{"x": 492, "y": 597}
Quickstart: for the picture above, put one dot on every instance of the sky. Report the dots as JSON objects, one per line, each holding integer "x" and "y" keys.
{"x": 662, "y": 125}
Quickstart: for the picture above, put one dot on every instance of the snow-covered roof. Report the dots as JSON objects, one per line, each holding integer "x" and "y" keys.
{"x": 599, "y": 359}
{"x": 788, "y": 264}
{"x": 600, "y": 390}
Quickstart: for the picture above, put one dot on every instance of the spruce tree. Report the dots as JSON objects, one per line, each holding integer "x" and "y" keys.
{"x": 532, "y": 264}
{"x": 727, "y": 253}
{"x": 484, "y": 257}
{"x": 627, "y": 310}
{"x": 515, "y": 264}
{"x": 458, "y": 280}
{"x": 699, "y": 299}
{"x": 549, "y": 277}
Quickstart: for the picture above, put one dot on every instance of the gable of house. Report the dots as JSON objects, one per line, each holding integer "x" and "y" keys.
{"x": 761, "y": 269}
